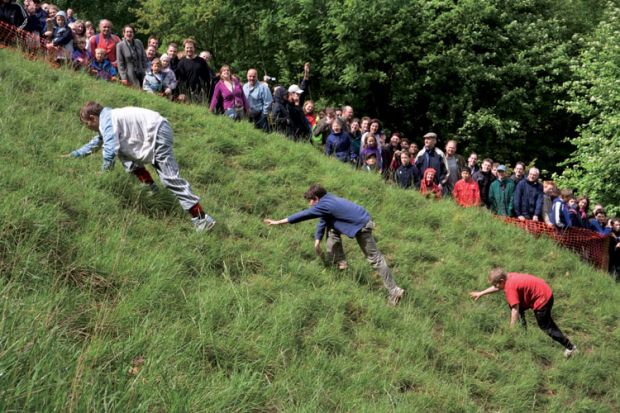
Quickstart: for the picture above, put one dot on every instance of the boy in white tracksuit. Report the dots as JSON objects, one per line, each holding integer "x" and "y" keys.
{"x": 139, "y": 136}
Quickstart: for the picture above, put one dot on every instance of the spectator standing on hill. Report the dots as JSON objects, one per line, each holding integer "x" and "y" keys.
{"x": 548, "y": 188}
{"x": 193, "y": 75}
{"x": 528, "y": 197}
{"x": 101, "y": 67}
{"x": 323, "y": 127}
{"x": 466, "y": 191}
{"x": 356, "y": 137}
{"x": 525, "y": 291}
{"x": 13, "y": 14}
{"x": 372, "y": 147}
{"x": 519, "y": 173}
{"x": 171, "y": 51}
{"x": 299, "y": 125}
{"x": 432, "y": 157}
{"x": 80, "y": 56}
{"x": 137, "y": 137}
{"x": 560, "y": 217}
{"x": 484, "y": 177}
{"x": 339, "y": 144}
{"x": 280, "y": 112}
{"x": 428, "y": 187}
{"x": 62, "y": 38}
{"x": 406, "y": 175}
{"x": 157, "y": 81}
{"x": 501, "y": 193}
{"x": 583, "y": 205}
{"x": 259, "y": 100}
{"x": 171, "y": 78}
{"x": 456, "y": 163}
{"x": 131, "y": 58}
{"x": 347, "y": 117}
{"x": 105, "y": 40}
{"x": 229, "y": 94}
{"x": 599, "y": 223}
{"x": 472, "y": 163}
{"x": 374, "y": 129}
{"x": 340, "y": 216}
{"x": 389, "y": 158}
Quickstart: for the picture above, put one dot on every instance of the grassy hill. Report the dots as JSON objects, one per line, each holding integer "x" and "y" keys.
{"x": 109, "y": 301}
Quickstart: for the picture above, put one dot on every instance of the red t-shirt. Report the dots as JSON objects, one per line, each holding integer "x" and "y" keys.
{"x": 527, "y": 291}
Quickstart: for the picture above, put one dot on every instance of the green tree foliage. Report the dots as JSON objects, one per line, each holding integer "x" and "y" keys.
{"x": 594, "y": 167}
{"x": 117, "y": 11}
{"x": 484, "y": 71}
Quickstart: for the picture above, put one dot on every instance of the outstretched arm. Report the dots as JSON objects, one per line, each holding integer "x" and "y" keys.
{"x": 477, "y": 294}
{"x": 87, "y": 149}
{"x": 269, "y": 221}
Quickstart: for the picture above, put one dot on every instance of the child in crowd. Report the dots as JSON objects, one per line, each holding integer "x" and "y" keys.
{"x": 101, "y": 67}
{"x": 339, "y": 144}
{"x": 583, "y": 206}
{"x": 466, "y": 191}
{"x": 428, "y": 187}
{"x": 156, "y": 81}
{"x": 62, "y": 38}
{"x": 167, "y": 71}
{"x": 524, "y": 291}
{"x": 372, "y": 146}
{"x": 600, "y": 223}
{"x": 407, "y": 174}
{"x": 560, "y": 217}
{"x": 80, "y": 56}
{"x": 370, "y": 163}
{"x": 575, "y": 217}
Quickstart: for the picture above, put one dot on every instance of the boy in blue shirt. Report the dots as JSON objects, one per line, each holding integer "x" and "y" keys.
{"x": 341, "y": 216}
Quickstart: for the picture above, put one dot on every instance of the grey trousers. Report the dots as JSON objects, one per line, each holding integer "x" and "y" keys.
{"x": 167, "y": 167}
{"x": 368, "y": 246}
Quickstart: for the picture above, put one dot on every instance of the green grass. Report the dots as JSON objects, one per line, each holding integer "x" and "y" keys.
{"x": 96, "y": 274}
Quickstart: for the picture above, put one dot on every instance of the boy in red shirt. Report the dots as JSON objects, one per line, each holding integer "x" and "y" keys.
{"x": 466, "y": 191}
{"x": 525, "y": 291}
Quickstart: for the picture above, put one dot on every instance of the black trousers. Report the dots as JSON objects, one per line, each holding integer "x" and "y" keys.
{"x": 546, "y": 324}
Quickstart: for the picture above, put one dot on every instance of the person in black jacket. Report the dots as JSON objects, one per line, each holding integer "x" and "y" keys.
{"x": 407, "y": 174}
{"x": 13, "y": 14}
{"x": 485, "y": 178}
{"x": 193, "y": 75}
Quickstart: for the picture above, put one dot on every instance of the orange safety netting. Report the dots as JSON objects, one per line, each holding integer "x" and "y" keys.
{"x": 12, "y": 36}
{"x": 591, "y": 246}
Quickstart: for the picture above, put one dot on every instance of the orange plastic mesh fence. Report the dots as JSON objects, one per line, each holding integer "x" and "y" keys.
{"x": 591, "y": 246}
{"x": 29, "y": 42}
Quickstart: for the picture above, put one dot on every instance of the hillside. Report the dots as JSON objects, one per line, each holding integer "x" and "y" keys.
{"x": 111, "y": 302}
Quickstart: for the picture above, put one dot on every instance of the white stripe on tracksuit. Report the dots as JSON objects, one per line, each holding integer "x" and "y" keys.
{"x": 167, "y": 167}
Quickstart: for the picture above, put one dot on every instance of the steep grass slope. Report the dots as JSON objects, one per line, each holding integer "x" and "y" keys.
{"x": 110, "y": 301}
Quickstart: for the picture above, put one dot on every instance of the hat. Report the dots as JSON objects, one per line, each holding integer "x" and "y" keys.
{"x": 501, "y": 168}
{"x": 430, "y": 135}
{"x": 295, "y": 89}
{"x": 62, "y": 14}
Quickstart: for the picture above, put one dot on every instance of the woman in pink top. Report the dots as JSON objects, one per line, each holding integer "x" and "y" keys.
{"x": 229, "y": 94}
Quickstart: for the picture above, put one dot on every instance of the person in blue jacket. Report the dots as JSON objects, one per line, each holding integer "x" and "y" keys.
{"x": 340, "y": 216}
{"x": 528, "y": 197}
{"x": 560, "y": 217}
{"x": 600, "y": 224}
{"x": 339, "y": 144}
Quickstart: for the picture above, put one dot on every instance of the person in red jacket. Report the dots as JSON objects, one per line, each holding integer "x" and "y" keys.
{"x": 466, "y": 191}
{"x": 525, "y": 291}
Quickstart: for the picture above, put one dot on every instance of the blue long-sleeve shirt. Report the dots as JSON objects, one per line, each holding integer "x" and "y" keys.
{"x": 334, "y": 212}
{"x": 106, "y": 138}
{"x": 340, "y": 145}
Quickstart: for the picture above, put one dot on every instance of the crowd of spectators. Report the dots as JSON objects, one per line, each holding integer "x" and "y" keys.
{"x": 361, "y": 142}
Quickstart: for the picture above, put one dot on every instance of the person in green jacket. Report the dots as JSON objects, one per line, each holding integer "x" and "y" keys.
{"x": 501, "y": 193}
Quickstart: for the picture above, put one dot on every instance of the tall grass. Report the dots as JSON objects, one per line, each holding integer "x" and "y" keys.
{"x": 110, "y": 301}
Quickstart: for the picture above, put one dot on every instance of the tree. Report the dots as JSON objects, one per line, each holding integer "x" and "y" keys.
{"x": 594, "y": 166}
